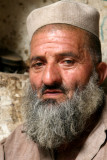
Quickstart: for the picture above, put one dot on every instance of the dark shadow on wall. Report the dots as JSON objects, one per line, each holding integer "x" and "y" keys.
{"x": 13, "y": 32}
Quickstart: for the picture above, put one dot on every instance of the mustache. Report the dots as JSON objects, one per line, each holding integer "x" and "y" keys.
{"x": 54, "y": 86}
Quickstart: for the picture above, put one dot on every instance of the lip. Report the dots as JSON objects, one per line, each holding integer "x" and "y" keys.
{"x": 53, "y": 93}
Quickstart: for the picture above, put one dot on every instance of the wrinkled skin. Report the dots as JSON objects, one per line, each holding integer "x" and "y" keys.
{"x": 59, "y": 57}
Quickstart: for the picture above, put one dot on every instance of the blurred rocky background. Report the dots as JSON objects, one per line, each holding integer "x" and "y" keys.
{"x": 14, "y": 55}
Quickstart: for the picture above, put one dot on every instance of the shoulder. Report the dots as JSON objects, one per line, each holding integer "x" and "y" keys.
{"x": 11, "y": 140}
{"x": 5, "y": 143}
{"x": 13, "y": 136}
{"x": 17, "y": 145}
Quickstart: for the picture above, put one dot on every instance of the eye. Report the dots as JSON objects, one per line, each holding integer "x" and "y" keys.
{"x": 68, "y": 61}
{"x": 37, "y": 65}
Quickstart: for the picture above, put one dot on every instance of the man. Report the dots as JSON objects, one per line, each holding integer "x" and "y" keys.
{"x": 65, "y": 107}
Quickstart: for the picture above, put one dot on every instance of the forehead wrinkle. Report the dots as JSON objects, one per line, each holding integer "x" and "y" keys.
{"x": 53, "y": 28}
{"x": 51, "y": 39}
{"x": 65, "y": 54}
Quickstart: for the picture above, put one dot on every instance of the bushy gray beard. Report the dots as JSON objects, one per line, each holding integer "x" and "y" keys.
{"x": 50, "y": 124}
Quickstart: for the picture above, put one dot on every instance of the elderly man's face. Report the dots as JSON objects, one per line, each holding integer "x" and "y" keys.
{"x": 60, "y": 62}
{"x": 64, "y": 92}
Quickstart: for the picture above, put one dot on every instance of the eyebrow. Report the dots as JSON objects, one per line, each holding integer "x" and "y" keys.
{"x": 70, "y": 54}
{"x": 34, "y": 58}
{"x": 65, "y": 54}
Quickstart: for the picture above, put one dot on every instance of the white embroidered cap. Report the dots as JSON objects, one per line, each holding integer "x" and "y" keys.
{"x": 66, "y": 12}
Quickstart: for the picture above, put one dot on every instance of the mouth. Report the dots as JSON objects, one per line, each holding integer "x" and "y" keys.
{"x": 53, "y": 93}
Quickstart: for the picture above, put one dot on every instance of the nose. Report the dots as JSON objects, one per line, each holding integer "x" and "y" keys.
{"x": 51, "y": 75}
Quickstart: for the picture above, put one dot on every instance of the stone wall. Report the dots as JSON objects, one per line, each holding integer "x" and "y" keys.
{"x": 11, "y": 94}
{"x": 13, "y": 35}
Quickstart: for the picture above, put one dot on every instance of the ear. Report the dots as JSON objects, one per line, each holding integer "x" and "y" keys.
{"x": 102, "y": 72}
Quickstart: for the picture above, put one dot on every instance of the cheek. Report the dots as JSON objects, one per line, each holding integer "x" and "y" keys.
{"x": 35, "y": 80}
{"x": 68, "y": 78}
{"x": 76, "y": 77}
